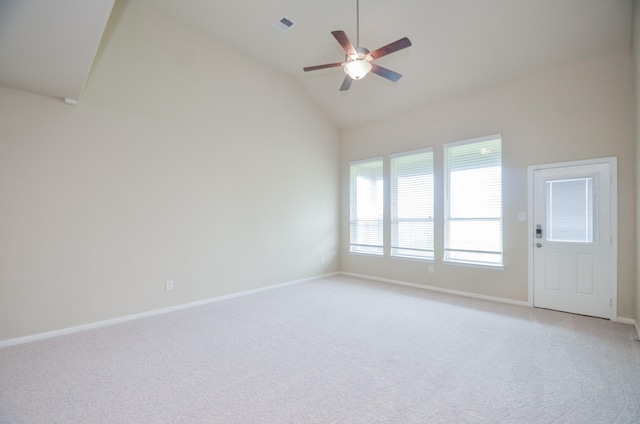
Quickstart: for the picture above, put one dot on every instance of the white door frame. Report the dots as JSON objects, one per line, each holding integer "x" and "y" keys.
{"x": 613, "y": 168}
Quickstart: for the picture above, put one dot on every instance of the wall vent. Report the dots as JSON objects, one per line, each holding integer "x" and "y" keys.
{"x": 284, "y": 24}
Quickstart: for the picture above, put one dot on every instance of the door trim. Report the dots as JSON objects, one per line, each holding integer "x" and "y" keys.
{"x": 613, "y": 169}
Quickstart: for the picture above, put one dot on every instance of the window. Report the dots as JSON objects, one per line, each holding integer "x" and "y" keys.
{"x": 366, "y": 207}
{"x": 412, "y": 205}
{"x": 570, "y": 210}
{"x": 473, "y": 201}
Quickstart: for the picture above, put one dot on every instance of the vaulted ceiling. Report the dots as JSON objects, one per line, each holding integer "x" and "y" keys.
{"x": 458, "y": 45}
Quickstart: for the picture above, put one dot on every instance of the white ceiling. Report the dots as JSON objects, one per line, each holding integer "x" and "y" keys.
{"x": 458, "y": 45}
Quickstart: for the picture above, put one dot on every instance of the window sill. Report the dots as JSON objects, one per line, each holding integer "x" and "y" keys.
{"x": 408, "y": 258}
{"x": 373, "y": 255}
{"x": 474, "y": 265}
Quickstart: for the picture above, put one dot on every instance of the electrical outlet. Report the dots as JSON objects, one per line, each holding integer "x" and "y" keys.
{"x": 169, "y": 285}
{"x": 430, "y": 269}
{"x": 323, "y": 260}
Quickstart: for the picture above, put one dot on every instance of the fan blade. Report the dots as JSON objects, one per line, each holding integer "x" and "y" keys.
{"x": 346, "y": 84}
{"x": 385, "y": 73}
{"x": 344, "y": 42}
{"x": 402, "y": 43}
{"x": 328, "y": 65}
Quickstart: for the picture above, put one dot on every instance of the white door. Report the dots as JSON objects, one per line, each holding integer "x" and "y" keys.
{"x": 572, "y": 243}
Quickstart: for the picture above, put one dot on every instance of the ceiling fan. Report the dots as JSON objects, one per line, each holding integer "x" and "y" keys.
{"x": 358, "y": 62}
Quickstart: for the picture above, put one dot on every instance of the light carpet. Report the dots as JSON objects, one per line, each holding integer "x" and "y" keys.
{"x": 335, "y": 350}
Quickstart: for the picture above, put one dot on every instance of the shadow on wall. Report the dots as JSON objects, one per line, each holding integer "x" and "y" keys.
{"x": 114, "y": 19}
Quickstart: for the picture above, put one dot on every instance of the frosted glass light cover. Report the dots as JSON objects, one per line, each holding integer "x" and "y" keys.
{"x": 357, "y": 69}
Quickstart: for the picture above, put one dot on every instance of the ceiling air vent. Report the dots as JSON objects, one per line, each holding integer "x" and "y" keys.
{"x": 284, "y": 24}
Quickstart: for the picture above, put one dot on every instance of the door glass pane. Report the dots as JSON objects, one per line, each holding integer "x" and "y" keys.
{"x": 570, "y": 210}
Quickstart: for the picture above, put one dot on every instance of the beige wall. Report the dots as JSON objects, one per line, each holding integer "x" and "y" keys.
{"x": 184, "y": 161}
{"x": 578, "y": 111}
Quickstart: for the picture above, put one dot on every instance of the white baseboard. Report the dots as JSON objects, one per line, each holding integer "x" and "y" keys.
{"x": 113, "y": 321}
{"x": 623, "y": 320}
{"x": 439, "y": 289}
{"x": 91, "y": 326}
{"x": 630, "y": 322}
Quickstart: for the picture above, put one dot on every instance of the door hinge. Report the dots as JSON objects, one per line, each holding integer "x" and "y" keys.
{"x": 610, "y": 302}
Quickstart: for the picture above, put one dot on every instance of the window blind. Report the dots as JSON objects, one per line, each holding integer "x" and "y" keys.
{"x": 473, "y": 201}
{"x": 570, "y": 207}
{"x": 412, "y": 204}
{"x": 366, "y": 207}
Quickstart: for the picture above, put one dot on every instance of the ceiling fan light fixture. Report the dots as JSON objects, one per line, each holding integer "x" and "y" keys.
{"x": 357, "y": 62}
{"x": 357, "y": 69}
